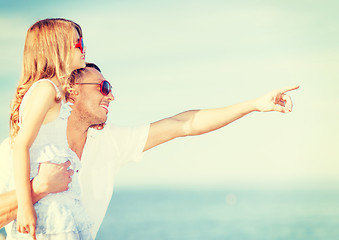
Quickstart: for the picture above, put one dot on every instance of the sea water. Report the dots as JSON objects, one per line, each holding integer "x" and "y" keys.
{"x": 222, "y": 214}
{"x": 147, "y": 214}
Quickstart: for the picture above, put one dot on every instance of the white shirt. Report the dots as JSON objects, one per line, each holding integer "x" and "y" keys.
{"x": 104, "y": 153}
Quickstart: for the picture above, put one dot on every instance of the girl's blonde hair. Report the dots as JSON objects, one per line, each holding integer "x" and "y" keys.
{"x": 47, "y": 54}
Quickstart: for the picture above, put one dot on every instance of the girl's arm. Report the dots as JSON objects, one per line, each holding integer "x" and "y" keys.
{"x": 38, "y": 106}
{"x": 51, "y": 178}
{"x": 9, "y": 205}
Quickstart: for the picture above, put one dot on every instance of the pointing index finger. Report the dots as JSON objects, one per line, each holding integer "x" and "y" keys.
{"x": 287, "y": 89}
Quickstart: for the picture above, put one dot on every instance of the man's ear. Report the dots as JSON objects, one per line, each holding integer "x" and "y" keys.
{"x": 72, "y": 96}
{"x": 71, "y": 99}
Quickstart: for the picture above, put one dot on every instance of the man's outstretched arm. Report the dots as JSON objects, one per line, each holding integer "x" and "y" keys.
{"x": 196, "y": 122}
{"x": 51, "y": 178}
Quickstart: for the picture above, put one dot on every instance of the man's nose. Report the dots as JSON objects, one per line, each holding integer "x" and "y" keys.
{"x": 110, "y": 96}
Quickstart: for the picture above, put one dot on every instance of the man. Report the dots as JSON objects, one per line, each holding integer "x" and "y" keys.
{"x": 103, "y": 151}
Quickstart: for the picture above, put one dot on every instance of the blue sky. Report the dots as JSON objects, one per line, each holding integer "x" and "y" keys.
{"x": 165, "y": 57}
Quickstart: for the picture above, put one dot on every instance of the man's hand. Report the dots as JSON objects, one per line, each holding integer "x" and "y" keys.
{"x": 98, "y": 126}
{"x": 52, "y": 178}
{"x": 275, "y": 101}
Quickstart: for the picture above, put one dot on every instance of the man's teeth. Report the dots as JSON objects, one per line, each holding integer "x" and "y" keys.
{"x": 104, "y": 107}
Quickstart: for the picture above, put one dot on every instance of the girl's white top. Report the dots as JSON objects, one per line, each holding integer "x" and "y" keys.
{"x": 58, "y": 212}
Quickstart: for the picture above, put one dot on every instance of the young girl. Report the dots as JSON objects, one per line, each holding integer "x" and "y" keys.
{"x": 53, "y": 49}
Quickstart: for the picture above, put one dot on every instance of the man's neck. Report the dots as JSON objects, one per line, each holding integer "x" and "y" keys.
{"x": 76, "y": 136}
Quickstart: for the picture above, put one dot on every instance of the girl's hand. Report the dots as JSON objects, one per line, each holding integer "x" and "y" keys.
{"x": 26, "y": 220}
{"x": 275, "y": 101}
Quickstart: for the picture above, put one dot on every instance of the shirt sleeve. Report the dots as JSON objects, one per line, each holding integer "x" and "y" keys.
{"x": 129, "y": 142}
{"x": 6, "y": 166}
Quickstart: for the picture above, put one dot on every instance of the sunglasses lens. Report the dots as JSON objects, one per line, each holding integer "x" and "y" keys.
{"x": 105, "y": 88}
{"x": 81, "y": 45}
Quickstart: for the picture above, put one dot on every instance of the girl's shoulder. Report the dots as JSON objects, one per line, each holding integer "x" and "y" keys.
{"x": 43, "y": 91}
{"x": 44, "y": 87}
{"x": 41, "y": 97}
{"x": 45, "y": 83}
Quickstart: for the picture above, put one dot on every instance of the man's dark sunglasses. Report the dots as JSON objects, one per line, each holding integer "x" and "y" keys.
{"x": 105, "y": 87}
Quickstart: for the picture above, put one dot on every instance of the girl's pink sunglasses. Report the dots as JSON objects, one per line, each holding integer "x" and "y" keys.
{"x": 80, "y": 45}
